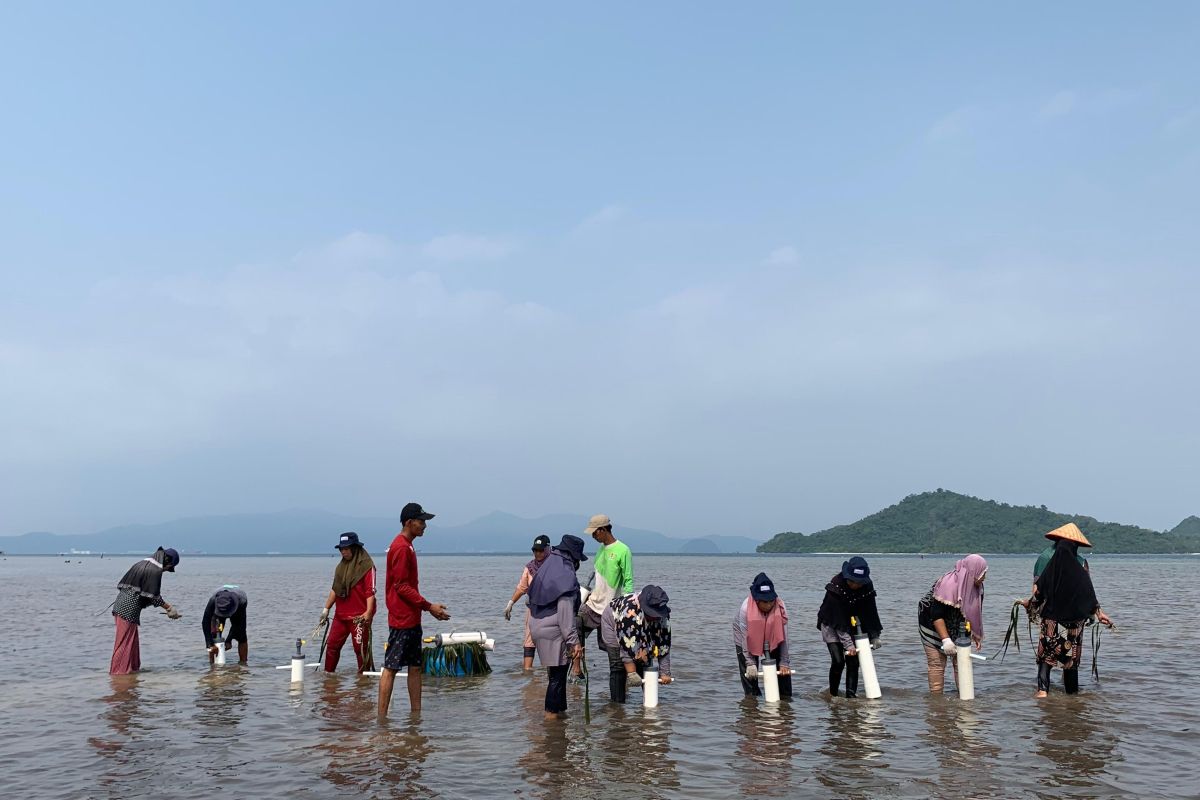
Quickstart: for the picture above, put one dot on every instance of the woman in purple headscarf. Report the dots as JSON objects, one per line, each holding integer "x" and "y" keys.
{"x": 553, "y": 604}
{"x": 141, "y": 587}
{"x": 943, "y": 614}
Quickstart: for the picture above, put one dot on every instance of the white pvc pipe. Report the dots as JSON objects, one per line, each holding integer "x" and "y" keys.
{"x": 966, "y": 676}
{"x": 297, "y": 669}
{"x": 443, "y": 639}
{"x": 866, "y": 666}
{"x": 220, "y": 653}
{"x": 650, "y": 688}
{"x": 770, "y": 680}
{"x": 489, "y": 644}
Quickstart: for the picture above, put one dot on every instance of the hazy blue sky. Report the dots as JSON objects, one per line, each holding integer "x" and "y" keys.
{"x": 709, "y": 268}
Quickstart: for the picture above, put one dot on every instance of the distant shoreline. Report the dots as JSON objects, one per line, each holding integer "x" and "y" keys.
{"x": 524, "y": 554}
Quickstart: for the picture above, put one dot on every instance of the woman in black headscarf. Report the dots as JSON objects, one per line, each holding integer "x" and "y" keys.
{"x": 553, "y": 604}
{"x": 141, "y": 587}
{"x": 849, "y": 595}
{"x": 1067, "y": 603}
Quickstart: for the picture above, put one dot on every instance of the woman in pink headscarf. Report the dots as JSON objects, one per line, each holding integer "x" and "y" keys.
{"x": 943, "y": 614}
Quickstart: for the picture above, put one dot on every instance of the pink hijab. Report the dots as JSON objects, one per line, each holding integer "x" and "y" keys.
{"x": 957, "y": 588}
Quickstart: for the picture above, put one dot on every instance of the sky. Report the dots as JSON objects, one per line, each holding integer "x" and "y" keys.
{"x": 708, "y": 268}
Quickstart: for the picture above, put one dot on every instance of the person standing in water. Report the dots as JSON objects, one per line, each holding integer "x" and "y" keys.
{"x": 405, "y": 605}
{"x": 613, "y": 578}
{"x": 353, "y": 597}
{"x": 1066, "y": 601}
{"x": 760, "y": 630}
{"x": 553, "y": 604}
{"x": 228, "y": 604}
{"x": 955, "y": 599}
{"x": 636, "y": 631}
{"x": 541, "y": 546}
{"x": 849, "y": 594}
{"x": 140, "y": 587}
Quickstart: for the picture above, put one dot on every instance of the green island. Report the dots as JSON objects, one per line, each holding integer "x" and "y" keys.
{"x": 946, "y": 522}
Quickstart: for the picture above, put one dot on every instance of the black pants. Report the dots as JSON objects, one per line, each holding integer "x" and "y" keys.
{"x": 750, "y": 687}
{"x": 616, "y": 673}
{"x": 556, "y": 688}
{"x": 1070, "y": 678}
{"x": 838, "y": 660}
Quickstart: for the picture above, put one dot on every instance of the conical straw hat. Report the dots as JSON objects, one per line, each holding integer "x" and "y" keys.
{"x": 1071, "y": 533}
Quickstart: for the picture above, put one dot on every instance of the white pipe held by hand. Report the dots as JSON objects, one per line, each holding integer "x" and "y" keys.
{"x": 770, "y": 680}
{"x": 866, "y": 663}
{"x": 966, "y": 674}
{"x": 220, "y": 660}
{"x": 650, "y": 688}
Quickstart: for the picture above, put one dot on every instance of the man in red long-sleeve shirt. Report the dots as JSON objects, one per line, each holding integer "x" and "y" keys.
{"x": 405, "y": 604}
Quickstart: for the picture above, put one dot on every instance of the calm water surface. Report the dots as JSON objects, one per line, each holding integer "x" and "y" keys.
{"x": 183, "y": 729}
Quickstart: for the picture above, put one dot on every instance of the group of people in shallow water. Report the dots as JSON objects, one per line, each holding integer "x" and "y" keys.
{"x": 633, "y": 628}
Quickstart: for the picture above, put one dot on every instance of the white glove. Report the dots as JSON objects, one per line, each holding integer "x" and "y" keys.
{"x": 876, "y": 644}
{"x": 634, "y": 680}
{"x": 751, "y": 672}
{"x": 324, "y": 615}
{"x": 508, "y": 611}
{"x": 948, "y": 647}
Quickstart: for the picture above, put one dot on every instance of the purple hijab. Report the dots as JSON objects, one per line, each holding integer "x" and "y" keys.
{"x": 957, "y": 588}
{"x": 554, "y": 578}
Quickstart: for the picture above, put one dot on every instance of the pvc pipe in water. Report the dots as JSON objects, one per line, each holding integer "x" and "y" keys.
{"x": 650, "y": 688}
{"x": 220, "y": 643}
{"x": 770, "y": 680}
{"x": 966, "y": 676}
{"x": 866, "y": 666}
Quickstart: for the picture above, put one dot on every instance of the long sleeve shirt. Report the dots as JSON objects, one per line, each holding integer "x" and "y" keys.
{"x": 404, "y": 600}
{"x": 623, "y": 625}
{"x": 614, "y": 575}
{"x": 740, "y": 625}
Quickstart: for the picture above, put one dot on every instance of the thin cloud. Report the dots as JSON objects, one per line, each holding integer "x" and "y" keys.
{"x": 782, "y": 256}
{"x": 603, "y": 218}
{"x": 465, "y": 247}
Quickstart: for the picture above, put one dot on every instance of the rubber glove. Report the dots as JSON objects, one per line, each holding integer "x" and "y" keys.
{"x": 876, "y": 644}
{"x": 508, "y": 611}
{"x": 173, "y": 614}
{"x": 948, "y": 647}
{"x": 634, "y": 680}
{"x": 324, "y": 615}
{"x": 751, "y": 672}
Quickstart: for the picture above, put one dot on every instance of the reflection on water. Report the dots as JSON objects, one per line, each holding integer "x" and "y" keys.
{"x": 638, "y": 749}
{"x": 766, "y": 743}
{"x": 78, "y": 732}
{"x": 1072, "y": 735}
{"x": 854, "y": 748}
{"x": 221, "y": 699}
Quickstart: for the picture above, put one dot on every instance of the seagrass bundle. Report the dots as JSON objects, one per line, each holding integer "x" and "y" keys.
{"x": 455, "y": 660}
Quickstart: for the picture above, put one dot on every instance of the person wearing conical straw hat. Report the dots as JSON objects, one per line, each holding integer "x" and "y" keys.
{"x": 1066, "y": 601}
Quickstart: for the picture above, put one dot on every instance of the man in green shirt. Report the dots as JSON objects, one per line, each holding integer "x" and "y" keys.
{"x": 613, "y": 578}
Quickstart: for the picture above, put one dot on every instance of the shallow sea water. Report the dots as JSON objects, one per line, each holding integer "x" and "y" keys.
{"x": 183, "y": 729}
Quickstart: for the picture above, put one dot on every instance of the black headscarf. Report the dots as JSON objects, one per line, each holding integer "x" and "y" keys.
{"x": 841, "y": 602}
{"x": 555, "y": 578}
{"x": 145, "y": 577}
{"x": 1065, "y": 586}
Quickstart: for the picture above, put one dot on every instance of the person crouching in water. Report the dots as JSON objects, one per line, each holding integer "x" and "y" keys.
{"x": 353, "y": 596}
{"x": 1066, "y": 601}
{"x": 849, "y": 594}
{"x": 141, "y": 587}
{"x": 553, "y": 604}
{"x": 955, "y": 599}
{"x": 634, "y": 630}
{"x": 760, "y": 630}
{"x": 228, "y": 604}
{"x": 541, "y": 547}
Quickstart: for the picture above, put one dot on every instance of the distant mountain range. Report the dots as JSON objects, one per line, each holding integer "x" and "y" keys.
{"x": 317, "y": 532}
{"x": 946, "y": 522}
